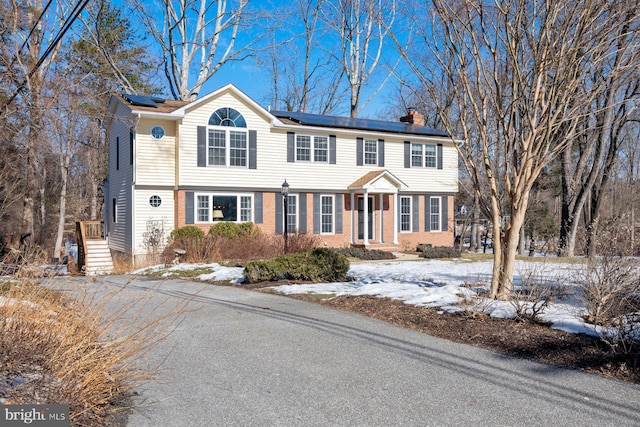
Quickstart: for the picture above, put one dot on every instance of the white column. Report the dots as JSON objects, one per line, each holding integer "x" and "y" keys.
{"x": 381, "y": 238}
{"x": 396, "y": 207}
{"x": 365, "y": 207}
{"x": 353, "y": 228}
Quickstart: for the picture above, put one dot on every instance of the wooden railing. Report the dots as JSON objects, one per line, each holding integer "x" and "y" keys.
{"x": 87, "y": 230}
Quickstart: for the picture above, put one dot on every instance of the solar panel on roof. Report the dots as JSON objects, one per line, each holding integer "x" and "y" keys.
{"x": 355, "y": 123}
{"x": 142, "y": 101}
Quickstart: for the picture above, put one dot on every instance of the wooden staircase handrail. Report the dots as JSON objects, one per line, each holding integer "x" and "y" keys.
{"x": 87, "y": 230}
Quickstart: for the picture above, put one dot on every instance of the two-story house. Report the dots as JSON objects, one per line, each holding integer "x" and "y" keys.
{"x": 223, "y": 157}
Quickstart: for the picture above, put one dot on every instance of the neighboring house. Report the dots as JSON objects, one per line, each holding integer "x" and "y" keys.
{"x": 224, "y": 157}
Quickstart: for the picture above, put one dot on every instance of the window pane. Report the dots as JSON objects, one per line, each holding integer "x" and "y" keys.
{"x": 228, "y": 205}
{"x": 303, "y": 148}
{"x": 405, "y": 214}
{"x": 416, "y": 155}
{"x": 238, "y": 148}
{"x": 326, "y": 214}
{"x": 217, "y": 147}
{"x": 203, "y": 208}
{"x": 435, "y": 214}
{"x": 370, "y": 152}
{"x": 292, "y": 218}
{"x": 321, "y": 152}
{"x": 430, "y": 155}
{"x": 245, "y": 208}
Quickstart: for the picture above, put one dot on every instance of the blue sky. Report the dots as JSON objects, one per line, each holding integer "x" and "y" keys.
{"x": 256, "y": 82}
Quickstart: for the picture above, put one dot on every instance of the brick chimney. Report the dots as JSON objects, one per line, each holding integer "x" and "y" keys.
{"x": 413, "y": 117}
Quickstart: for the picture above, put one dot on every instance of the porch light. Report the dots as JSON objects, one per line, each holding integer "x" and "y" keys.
{"x": 285, "y": 188}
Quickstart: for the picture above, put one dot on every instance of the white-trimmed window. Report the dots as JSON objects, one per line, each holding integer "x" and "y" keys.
{"x": 157, "y": 132}
{"x": 370, "y": 152}
{"x": 312, "y": 148}
{"x": 405, "y": 213}
{"x": 326, "y": 214}
{"x": 233, "y": 207}
{"x": 155, "y": 201}
{"x": 292, "y": 213}
{"x": 434, "y": 214}
{"x": 203, "y": 208}
{"x": 423, "y": 155}
{"x": 227, "y": 141}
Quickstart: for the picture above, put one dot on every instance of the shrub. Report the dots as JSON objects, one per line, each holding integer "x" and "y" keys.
{"x": 439, "y": 252}
{"x": 188, "y": 232}
{"x": 365, "y": 254}
{"x": 611, "y": 292}
{"x": 233, "y": 229}
{"x": 317, "y": 265}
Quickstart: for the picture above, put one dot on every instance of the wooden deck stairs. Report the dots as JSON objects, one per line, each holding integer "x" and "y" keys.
{"x": 94, "y": 255}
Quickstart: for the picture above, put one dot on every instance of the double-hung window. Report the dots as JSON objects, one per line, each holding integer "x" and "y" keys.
{"x": 312, "y": 148}
{"x": 434, "y": 214}
{"x": 224, "y": 207}
{"x": 292, "y": 213}
{"x": 405, "y": 213}
{"x": 423, "y": 155}
{"x": 326, "y": 214}
{"x": 370, "y": 152}
{"x": 227, "y": 138}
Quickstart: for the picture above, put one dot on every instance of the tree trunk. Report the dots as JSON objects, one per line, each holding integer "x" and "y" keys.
{"x": 65, "y": 159}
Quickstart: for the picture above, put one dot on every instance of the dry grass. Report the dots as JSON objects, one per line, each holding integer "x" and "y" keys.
{"x": 55, "y": 349}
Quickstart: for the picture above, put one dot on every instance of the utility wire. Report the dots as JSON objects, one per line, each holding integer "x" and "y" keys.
{"x": 79, "y": 7}
{"x": 26, "y": 40}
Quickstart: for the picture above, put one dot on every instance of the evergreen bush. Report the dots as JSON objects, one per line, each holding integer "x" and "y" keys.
{"x": 317, "y": 265}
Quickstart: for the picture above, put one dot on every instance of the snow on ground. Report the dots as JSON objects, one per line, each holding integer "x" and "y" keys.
{"x": 452, "y": 285}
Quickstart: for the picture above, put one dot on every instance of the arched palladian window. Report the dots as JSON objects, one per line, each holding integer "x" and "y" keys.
{"x": 227, "y": 117}
{"x": 227, "y": 139}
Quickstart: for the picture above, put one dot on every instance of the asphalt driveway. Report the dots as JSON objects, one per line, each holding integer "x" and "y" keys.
{"x": 244, "y": 358}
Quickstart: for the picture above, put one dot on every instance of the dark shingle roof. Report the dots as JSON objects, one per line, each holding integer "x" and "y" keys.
{"x": 351, "y": 123}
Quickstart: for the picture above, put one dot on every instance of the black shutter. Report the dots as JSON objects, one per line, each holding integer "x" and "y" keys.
{"x": 257, "y": 209}
{"x": 189, "y": 208}
{"x": 202, "y": 146}
{"x": 117, "y": 153}
{"x": 439, "y": 156}
{"x": 427, "y": 213}
{"x": 302, "y": 212}
{"x": 381, "y": 153}
{"x": 339, "y": 198}
{"x": 416, "y": 214}
{"x": 407, "y": 154}
{"x": 445, "y": 213}
{"x": 316, "y": 213}
{"x": 253, "y": 149}
{"x": 332, "y": 149}
{"x": 279, "y": 213}
{"x": 291, "y": 147}
{"x": 359, "y": 151}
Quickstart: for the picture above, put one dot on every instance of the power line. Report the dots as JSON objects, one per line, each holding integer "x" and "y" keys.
{"x": 79, "y": 7}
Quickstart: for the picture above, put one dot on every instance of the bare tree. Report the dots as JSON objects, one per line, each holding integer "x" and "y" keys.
{"x": 197, "y": 37}
{"x": 517, "y": 71}
{"x": 362, "y": 27}
{"x": 304, "y": 77}
{"x": 588, "y": 163}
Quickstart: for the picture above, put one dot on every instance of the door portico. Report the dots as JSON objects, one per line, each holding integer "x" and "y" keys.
{"x": 371, "y": 190}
